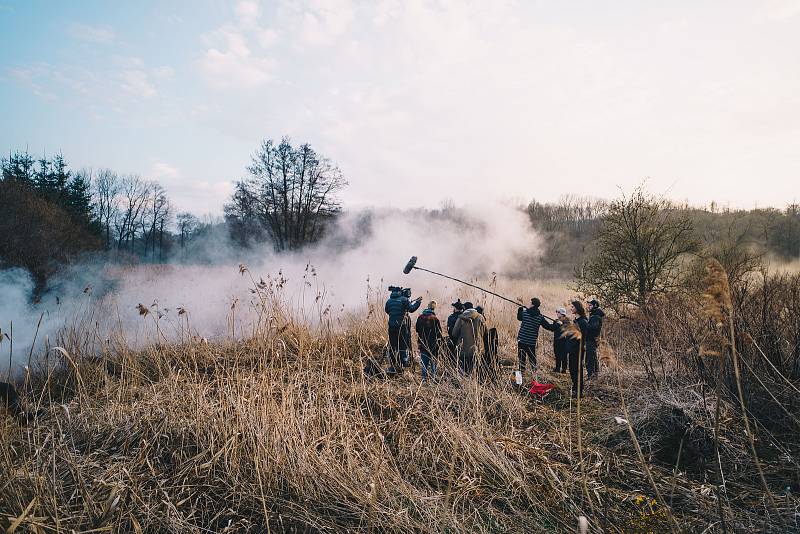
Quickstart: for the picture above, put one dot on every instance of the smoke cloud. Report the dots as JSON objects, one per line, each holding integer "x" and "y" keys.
{"x": 366, "y": 251}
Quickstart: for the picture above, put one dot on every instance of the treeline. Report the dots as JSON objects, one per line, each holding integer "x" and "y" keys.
{"x": 51, "y": 215}
{"x": 573, "y": 225}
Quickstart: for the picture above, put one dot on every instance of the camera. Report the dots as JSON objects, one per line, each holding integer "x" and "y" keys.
{"x": 405, "y": 291}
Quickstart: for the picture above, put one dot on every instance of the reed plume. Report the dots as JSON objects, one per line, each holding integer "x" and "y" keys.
{"x": 718, "y": 307}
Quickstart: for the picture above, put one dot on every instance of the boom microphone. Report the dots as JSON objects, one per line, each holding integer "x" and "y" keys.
{"x": 410, "y": 265}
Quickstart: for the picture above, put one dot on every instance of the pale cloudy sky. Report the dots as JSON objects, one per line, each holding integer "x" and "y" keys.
{"x": 417, "y": 101}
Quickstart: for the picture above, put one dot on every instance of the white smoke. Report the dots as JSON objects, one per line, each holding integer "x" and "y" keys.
{"x": 366, "y": 249}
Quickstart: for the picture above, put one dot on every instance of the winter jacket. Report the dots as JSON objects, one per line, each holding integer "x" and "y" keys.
{"x": 451, "y": 322}
{"x": 531, "y": 318}
{"x": 469, "y": 331}
{"x": 429, "y": 331}
{"x": 398, "y": 306}
{"x": 583, "y": 327}
{"x": 559, "y": 341}
{"x": 594, "y": 327}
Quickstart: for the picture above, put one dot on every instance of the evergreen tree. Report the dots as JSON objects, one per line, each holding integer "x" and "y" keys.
{"x": 59, "y": 181}
{"x": 18, "y": 167}
{"x": 79, "y": 197}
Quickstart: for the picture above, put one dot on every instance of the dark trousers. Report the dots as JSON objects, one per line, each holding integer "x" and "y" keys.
{"x": 428, "y": 364}
{"x": 526, "y": 352}
{"x": 591, "y": 360}
{"x": 562, "y": 358}
{"x": 398, "y": 348}
{"x": 466, "y": 361}
{"x": 576, "y": 370}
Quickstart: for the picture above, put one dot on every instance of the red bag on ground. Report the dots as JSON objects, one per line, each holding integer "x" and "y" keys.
{"x": 540, "y": 390}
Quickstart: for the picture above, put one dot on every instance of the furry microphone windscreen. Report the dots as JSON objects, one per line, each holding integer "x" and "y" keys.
{"x": 410, "y": 265}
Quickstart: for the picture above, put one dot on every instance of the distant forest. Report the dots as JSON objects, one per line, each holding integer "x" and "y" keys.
{"x": 573, "y": 224}
{"x": 52, "y": 216}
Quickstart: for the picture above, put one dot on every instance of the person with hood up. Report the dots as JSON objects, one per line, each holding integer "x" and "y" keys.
{"x": 560, "y": 340}
{"x": 429, "y": 335}
{"x": 469, "y": 332}
{"x": 593, "y": 331}
{"x": 578, "y": 351}
{"x": 398, "y": 307}
{"x": 530, "y": 321}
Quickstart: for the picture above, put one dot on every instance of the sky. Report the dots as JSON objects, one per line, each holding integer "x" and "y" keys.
{"x": 418, "y": 102}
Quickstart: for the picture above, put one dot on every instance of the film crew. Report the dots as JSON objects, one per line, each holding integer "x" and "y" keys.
{"x": 560, "y": 340}
{"x": 577, "y": 353}
{"x": 429, "y": 337}
{"x": 468, "y": 335}
{"x": 593, "y": 331}
{"x": 530, "y": 321}
{"x": 398, "y": 307}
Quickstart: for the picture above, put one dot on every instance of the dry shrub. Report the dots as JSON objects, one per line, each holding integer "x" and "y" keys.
{"x": 281, "y": 432}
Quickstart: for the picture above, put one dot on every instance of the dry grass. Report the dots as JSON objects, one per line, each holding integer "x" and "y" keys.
{"x": 280, "y": 432}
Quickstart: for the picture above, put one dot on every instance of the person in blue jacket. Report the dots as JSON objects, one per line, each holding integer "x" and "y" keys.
{"x": 398, "y": 308}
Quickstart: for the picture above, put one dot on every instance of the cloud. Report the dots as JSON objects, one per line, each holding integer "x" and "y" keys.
{"x": 248, "y": 11}
{"x": 91, "y": 34}
{"x": 34, "y": 78}
{"x": 781, "y": 9}
{"x": 163, "y": 72}
{"x": 135, "y": 81}
{"x": 325, "y": 21}
{"x": 164, "y": 171}
{"x": 267, "y": 37}
{"x": 233, "y": 64}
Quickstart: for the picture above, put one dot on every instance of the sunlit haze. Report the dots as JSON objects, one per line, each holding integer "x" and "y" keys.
{"x": 417, "y": 102}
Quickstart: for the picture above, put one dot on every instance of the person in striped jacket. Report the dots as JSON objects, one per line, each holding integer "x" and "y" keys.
{"x": 530, "y": 321}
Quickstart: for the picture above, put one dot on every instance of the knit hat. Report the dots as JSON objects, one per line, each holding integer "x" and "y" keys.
{"x": 468, "y": 305}
{"x": 561, "y": 311}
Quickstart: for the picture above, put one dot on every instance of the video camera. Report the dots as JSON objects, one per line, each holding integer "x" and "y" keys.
{"x": 405, "y": 291}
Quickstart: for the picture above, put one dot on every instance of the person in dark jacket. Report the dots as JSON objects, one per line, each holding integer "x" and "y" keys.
{"x": 560, "y": 340}
{"x": 429, "y": 335}
{"x": 458, "y": 308}
{"x": 593, "y": 331}
{"x": 577, "y": 351}
{"x": 398, "y": 307}
{"x": 530, "y": 321}
{"x": 489, "y": 364}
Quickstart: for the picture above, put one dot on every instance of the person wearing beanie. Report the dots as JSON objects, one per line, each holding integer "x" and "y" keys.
{"x": 429, "y": 336}
{"x": 530, "y": 320}
{"x": 560, "y": 340}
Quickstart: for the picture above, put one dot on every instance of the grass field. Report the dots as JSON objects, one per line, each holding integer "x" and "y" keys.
{"x": 280, "y": 432}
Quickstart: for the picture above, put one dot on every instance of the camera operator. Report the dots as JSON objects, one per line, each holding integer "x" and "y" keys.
{"x": 398, "y": 308}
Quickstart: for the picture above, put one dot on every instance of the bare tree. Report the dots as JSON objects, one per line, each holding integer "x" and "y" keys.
{"x": 187, "y": 224}
{"x": 291, "y": 194}
{"x": 134, "y": 193}
{"x": 638, "y": 250}
{"x": 106, "y": 190}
